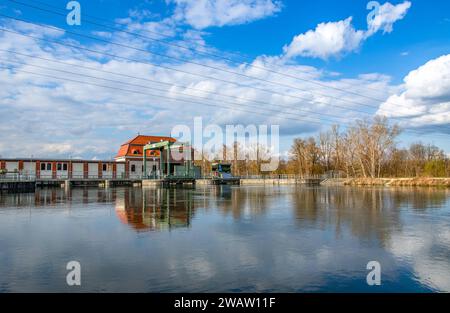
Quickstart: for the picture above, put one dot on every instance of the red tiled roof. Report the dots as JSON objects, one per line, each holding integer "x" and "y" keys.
{"x": 143, "y": 140}
{"x": 136, "y": 144}
{"x": 123, "y": 150}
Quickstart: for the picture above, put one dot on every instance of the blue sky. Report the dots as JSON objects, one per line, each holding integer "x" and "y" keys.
{"x": 424, "y": 33}
{"x": 399, "y": 63}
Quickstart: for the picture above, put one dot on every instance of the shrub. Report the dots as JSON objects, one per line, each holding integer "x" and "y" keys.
{"x": 435, "y": 168}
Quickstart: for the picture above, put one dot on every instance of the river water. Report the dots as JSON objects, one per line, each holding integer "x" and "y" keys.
{"x": 226, "y": 239}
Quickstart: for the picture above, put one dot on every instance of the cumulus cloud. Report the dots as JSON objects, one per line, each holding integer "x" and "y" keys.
{"x": 386, "y": 16}
{"x": 334, "y": 39}
{"x": 425, "y": 98}
{"x": 206, "y": 13}
{"x": 326, "y": 40}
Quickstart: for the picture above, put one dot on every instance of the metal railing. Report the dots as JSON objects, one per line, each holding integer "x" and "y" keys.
{"x": 171, "y": 176}
{"x": 26, "y": 176}
{"x": 16, "y": 177}
{"x": 282, "y": 176}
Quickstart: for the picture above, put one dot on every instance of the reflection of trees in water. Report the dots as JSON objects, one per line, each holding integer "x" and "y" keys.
{"x": 367, "y": 212}
{"x": 420, "y": 198}
{"x": 239, "y": 201}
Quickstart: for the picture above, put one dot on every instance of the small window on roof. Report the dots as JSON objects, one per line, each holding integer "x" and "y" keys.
{"x": 135, "y": 151}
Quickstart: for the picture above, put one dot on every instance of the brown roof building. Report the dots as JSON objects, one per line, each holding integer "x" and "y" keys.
{"x": 132, "y": 149}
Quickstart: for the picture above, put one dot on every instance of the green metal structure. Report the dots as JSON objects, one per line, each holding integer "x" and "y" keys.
{"x": 167, "y": 146}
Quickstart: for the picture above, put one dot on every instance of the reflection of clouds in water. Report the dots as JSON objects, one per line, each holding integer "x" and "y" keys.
{"x": 407, "y": 246}
{"x": 420, "y": 248}
{"x": 433, "y": 273}
{"x": 198, "y": 267}
{"x": 444, "y": 236}
{"x": 324, "y": 256}
{"x": 290, "y": 261}
{"x": 247, "y": 240}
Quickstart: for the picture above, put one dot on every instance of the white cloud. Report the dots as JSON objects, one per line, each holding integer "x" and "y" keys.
{"x": 206, "y": 13}
{"x": 415, "y": 247}
{"x": 425, "y": 97}
{"x": 36, "y": 30}
{"x": 158, "y": 29}
{"x": 387, "y": 15}
{"x": 57, "y": 148}
{"x": 328, "y": 39}
{"x": 334, "y": 39}
{"x": 142, "y": 14}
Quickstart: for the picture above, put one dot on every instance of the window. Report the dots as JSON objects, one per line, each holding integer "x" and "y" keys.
{"x": 133, "y": 168}
{"x": 135, "y": 151}
{"x": 59, "y": 167}
{"x": 105, "y": 168}
{"x": 42, "y": 166}
{"x": 49, "y": 166}
{"x": 64, "y": 167}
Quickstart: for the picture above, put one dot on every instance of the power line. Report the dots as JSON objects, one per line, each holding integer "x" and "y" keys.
{"x": 151, "y": 88}
{"x": 157, "y": 89}
{"x": 195, "y": 50}
{"x": 212, "y": 67}
{"x": 206, "y": 53}
{"x": 229, "y": 82}
{"x": 178, "y": 70}
{"x": 159, "y": 96}
{"x": 173, "y": 99}
{"x": 159, "y": 82}
{"x": 172, "y": 69}
{"x": 197, "y": 64}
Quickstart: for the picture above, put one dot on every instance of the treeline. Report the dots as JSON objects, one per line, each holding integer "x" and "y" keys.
{"x": 366, "y": 149}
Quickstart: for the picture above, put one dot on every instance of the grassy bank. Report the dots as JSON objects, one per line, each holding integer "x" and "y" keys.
{"x": 418, "y": 181}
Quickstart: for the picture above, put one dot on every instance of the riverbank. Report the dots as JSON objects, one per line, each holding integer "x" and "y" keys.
{"x": 411, "y": 182}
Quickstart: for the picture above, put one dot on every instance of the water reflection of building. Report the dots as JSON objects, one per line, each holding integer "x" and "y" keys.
{"x": 164, "y": 208}
{"x": 57, "y": 196}
{"x": 155, "y": 209}
{"x": 238, "y": 202}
